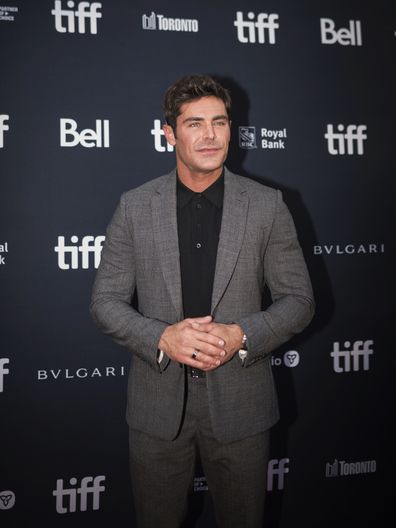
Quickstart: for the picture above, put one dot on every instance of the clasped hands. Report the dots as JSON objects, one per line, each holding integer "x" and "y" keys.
{"x": 201, "y": 343}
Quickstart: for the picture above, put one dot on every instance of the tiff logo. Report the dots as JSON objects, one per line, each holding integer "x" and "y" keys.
{"x": 89, "y": 244}
{"x": 158, "y": 134}
{"x": 3, "y": 128}
{"x": 340, "y": 143}
{"x": 88, "y": 138}
{"x": 84, "y": 11}
{"x": 278, "y": 468}
{"x": 344, "y": 36}
{"x": 3, "y": 371}
{"x": 89, "y": 486}
{"x": 265, "y": 24}
{"x": 342, "y": 358}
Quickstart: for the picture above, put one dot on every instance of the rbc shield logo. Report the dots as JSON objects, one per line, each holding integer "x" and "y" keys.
{"x": 247, "y": 137}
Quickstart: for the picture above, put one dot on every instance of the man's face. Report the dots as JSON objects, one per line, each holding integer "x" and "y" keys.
{"x": 202, "y": 135}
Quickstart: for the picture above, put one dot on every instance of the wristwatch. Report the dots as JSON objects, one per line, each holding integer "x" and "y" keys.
{"x": 243, "y": 350}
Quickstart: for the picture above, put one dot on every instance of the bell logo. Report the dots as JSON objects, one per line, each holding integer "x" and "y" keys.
{"x": 346, "y": 37}
{"x": 277, "y": 468}
{"x": 3, "y": 127}
{"x": 66, "y": 498}
{"x": 340, "y": 143}
{"x": 264, "y": 25}
{"x": 89, "y": 244}
{"x": 159, "y": 135}
{"x": 88, "y": 138}
{"x": 84, "y": 11}
{"x": 342, "y": 358}
{"x": 3, "y": 371}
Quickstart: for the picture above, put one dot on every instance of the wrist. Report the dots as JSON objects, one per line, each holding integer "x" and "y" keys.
{"x": 240, "y": 337}
{"x": 162, "y": 344}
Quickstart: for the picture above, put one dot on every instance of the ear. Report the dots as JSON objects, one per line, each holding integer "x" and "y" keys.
{"x": 169, "y": 135}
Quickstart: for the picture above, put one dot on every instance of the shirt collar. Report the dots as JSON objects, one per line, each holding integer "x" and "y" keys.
{"x": 214, "y": 193}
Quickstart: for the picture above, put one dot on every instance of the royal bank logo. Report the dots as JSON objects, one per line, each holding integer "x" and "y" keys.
{"x": 350, "y": 36}
{"x": 160, "y": 143}
{"x": 247, "y": 137}
{"x": 89, "y": 137}
{"x": 7, "y": 500}
{"x": 3, "y": 371}
{"x": 79, "y": 374}
{"x": 348, "y": 140}
{"x": 270, "y": 139}
{"x": 84, "y": 17}
{"x": 349, "y": 249}
{"x": 84, "y": 255}
{"x": 277, "y": 469}
{"x": 353, "y": 356}
{"x": 3, "y": 127}
{"x": 155, "y": 22}
{"x": 341, "y": 468}
{"x": 260, "y": 28}
{"x": 83, "y": 497}
{"x": 290, "y": 359}
{"x": 8, "y": 13}
{"x": 3, "y": 252}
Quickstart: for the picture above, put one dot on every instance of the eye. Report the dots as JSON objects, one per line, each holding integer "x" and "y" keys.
{"x": 220, "y": 123}
{"x": 194, "y": 124}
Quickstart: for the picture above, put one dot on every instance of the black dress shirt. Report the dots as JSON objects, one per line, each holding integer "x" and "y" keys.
{"x": 198, "y": 223}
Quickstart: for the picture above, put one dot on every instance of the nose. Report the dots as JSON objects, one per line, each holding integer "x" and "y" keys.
{"x": 209, "y": 131}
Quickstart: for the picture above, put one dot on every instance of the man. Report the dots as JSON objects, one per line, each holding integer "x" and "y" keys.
{"x": 197, "y": 247}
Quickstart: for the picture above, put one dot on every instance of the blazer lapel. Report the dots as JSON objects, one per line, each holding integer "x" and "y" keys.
{"x": 235, "y": 207}
{"x": 164, "y": 215}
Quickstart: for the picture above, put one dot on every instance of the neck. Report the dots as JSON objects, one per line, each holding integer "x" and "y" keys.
{"x": 198, "y": 181}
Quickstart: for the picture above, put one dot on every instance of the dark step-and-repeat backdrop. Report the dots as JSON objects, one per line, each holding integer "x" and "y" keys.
{"x": 80, "y": 122}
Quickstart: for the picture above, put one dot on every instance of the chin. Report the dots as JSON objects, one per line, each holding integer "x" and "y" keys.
{"x": 212, "y": 165}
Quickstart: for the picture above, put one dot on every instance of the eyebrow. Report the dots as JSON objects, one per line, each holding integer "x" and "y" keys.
{"x": 215, "y": 118}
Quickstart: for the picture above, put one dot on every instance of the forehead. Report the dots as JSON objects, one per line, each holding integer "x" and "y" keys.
{"x": 206, "y": 107}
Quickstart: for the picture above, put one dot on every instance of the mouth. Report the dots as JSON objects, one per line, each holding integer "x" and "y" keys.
{"x": 209, "y": 150}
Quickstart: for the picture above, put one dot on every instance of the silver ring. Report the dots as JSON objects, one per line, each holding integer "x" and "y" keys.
{"x": 194, "y": 354}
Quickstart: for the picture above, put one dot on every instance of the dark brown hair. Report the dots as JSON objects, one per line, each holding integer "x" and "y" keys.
{"x": 189, "y": 88}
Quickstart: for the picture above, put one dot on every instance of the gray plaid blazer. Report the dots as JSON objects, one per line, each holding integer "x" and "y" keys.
{"x": 258, "y": 245}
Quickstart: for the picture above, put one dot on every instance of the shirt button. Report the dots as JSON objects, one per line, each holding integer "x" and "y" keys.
{"x": 198, "y": 245}
{"x": 199, "y": 206}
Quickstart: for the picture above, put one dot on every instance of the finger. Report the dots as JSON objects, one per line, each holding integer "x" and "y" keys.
{"x": 199, "y": 320}
{"x": 204, "y": 327}
{"x": 198, "y": 356}
{"x": 204, "y": 337}
{"x": 203, "y": 362}
{"x": 214, "y": 352}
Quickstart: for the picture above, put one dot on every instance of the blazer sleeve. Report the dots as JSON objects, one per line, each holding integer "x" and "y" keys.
{"x": 286, "y": 275}
{"x": 113, "y": 290}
